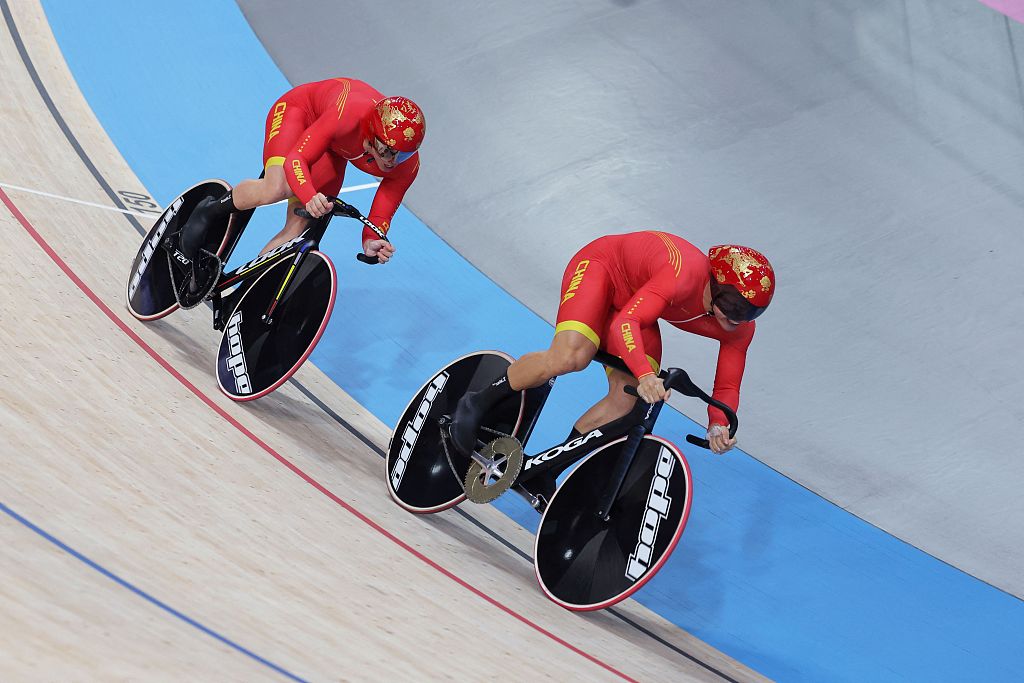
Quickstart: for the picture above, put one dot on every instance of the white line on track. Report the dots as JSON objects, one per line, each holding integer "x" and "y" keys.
{"x": 106, "y": 207}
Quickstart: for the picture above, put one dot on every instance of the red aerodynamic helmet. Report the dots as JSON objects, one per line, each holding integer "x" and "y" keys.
{"x": 748, "y": 272}
{"x": 398, "y": 123}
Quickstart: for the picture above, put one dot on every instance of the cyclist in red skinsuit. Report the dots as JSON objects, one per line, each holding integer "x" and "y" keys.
{"x": 614, "y": 292}
{"x": 312, "y": 132}
{"x": 634, "y": 280}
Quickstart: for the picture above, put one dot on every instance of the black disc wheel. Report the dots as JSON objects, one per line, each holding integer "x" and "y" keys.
{"x": 150, "y": 290}
{"x": 584, "y": 562}
{"x": 258, "y": 353}
{"x": 419, "y": 471}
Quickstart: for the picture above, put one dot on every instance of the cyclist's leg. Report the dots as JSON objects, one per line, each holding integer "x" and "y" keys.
{"x": 583, "y": 312}
{"x": 614, "y": 405}
{"x": 586, "y": 291}
{"x": 271, "y": 188}
{"x": 570, "y": 351}
{"x": 285, "y": 122}
{"x": 327, "y": 174}
{"x": 617, "y": 402}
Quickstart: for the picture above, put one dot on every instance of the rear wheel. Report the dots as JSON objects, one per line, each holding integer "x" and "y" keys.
{"x": 419, "y": 476}
{"x": 256, "y": 357}
{"x": 586, "y": 563}
{"x": 150, "y": 291}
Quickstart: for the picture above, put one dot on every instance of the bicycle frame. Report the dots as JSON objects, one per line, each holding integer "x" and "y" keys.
{"x": 640, "y": 420}
{"x": 296, "y": 249}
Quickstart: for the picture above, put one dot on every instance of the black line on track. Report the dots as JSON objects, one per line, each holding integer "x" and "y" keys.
{"x": 73, "y": 141}
{"x": 335, "y": 416}
{"x": 59, "y": 120}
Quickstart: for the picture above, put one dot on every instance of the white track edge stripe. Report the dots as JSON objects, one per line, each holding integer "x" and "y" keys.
{"x": 151, "y": 214}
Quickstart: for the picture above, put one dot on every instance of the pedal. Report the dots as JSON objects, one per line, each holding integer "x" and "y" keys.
{"x": 538, "y": 491}
{"x": 492, "y": 470}
{"x": 536, "y": 502}
{"x": 224, "y": 305}
{"x": 217, "y": 307}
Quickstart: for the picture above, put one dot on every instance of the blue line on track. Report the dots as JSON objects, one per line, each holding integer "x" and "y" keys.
{"x": 146, "y": 596}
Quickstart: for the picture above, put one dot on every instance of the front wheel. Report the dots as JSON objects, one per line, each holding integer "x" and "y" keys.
{"x": 257, "y": 356}
{"x": 586, "y": 563}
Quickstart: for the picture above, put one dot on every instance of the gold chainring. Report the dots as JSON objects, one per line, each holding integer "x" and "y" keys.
{"x": 502, "y": 462}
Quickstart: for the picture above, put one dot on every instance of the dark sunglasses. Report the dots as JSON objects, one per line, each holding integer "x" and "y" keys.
{"x": 384, "y": 150}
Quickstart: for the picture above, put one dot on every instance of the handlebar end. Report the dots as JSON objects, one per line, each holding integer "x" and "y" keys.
{"x": 697, "y": 441}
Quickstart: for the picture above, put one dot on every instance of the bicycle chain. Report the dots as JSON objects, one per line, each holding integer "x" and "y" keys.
{"x": 448, "y": 457}
{"x": 180, "y": 290}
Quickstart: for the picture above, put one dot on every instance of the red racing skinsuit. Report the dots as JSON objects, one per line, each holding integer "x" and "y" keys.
{"x": 616, "y": 288}
{"x": 315, "y": 129}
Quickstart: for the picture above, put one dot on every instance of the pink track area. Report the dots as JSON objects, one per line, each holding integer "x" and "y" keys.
{"x": 1011, "y": 8}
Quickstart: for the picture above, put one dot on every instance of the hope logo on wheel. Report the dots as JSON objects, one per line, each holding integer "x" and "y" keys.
{"x": 236, "y": 356}
{"x": 152, "y": 244}
{"x": 658, "y": 504}
{"x": 412, "y": 429}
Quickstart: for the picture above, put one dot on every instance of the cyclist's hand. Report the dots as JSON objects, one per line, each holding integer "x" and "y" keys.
{"x": 652, "y": 389}
{"x": 718, "y": 439}
{"x": 319, "y": 205}
{"x": 382, "y": 249}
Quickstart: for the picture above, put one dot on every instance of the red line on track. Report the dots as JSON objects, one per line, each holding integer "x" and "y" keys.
{"x": 44, "y": 245}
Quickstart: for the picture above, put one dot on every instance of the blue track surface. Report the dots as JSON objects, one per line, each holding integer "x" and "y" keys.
{"x": 767, "y": 572}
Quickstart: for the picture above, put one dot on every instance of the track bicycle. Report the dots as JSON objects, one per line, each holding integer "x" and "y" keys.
{"x": 272, "y": 309}
{"x": 611, "y": 523}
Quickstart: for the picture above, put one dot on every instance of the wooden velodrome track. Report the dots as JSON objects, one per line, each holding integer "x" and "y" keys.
{"x": 153, "y": 529}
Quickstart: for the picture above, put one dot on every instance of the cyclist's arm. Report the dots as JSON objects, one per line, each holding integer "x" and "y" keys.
{"x": 312, "y": 145}
{"x": 643, "y": 310}
{"x": 732, "y": 358}
{"x": 389, "y": 195}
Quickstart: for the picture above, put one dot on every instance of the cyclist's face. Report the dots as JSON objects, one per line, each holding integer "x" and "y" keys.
{"x": 384, "y": 161}
{"x": 386, "y": 157}
{"x": 723, "y": 320}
